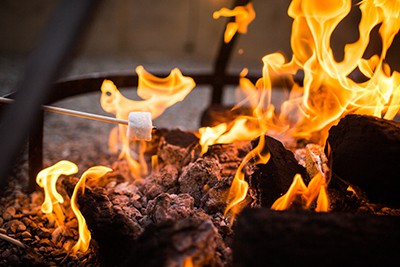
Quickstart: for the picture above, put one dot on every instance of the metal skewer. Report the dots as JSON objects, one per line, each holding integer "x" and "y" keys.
{"x": 74, "y": 113}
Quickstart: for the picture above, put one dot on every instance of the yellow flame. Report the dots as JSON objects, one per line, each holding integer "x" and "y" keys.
{"x": 91, "y": 175}
{"x": 296, "y": 188}
{"x": 328, "y": 93}
{"x": 154, "y": 163}
{"x": 239, "y": 187}
{"x": 47, "y": 179}
{"x": 322, "y": 201}
{"x": 188, "y": 262}
{"x": 301, "y": 194}
{"x": 157, "y": 95}
{"x": 244, "y": 15}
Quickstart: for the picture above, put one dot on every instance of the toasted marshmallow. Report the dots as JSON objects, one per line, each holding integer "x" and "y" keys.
{"x": 140, "y": 126}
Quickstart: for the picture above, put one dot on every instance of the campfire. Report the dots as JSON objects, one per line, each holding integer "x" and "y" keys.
{"x": 315, "y": 181}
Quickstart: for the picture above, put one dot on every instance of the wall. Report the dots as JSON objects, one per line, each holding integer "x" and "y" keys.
{"x": 154, "y": 32}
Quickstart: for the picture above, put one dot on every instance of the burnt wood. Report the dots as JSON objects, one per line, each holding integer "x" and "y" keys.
{"x": 366, "y": 153}
{"x": 112, "y": 229}
{"x": 300, "y": 238}
{"x": 273, "y": 179}
{"x": 162, "y": 232}
{"x": 171, "y": 242}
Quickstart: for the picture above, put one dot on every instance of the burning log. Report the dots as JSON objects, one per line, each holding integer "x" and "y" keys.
{"x": 270, "y": 238}
{"x": 113, "y": 219}
{"x": 273, "y": 179}
{"x": 365, "y": 152}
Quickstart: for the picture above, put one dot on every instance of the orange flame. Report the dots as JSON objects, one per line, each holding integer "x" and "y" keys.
{"x": 188, "y": 262}
{"x": 91, "y": 175}
{"x": 244, "y": 15}
{"x": 328, "y": 93}
{"x": 154, "y": 163}
{"x": 157, "y": 93}
{"x": 47, "y": 179}
{"x": 239, "y": 187}
{"x": 246, "y": 128}
{"x": 301, "y": 194}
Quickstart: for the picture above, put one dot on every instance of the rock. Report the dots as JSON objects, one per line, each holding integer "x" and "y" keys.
{"x": 11, "y": 211}
{"x": 197, "y": 175}
{"x": 26, "y": 234}
{"x": 13, "y": 260}
{"x": 170, "y": 207}
{"x": 15, "y": 226}
{"x": 6, "y": 253}
{"x": 177, "y": 148}
{"x": 7, "y": 216}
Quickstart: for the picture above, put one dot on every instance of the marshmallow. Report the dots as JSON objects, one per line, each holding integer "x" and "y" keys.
{"x": 139, "y": 126}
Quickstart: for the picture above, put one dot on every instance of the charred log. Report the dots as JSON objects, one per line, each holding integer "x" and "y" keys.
{"x": 113, "y": 221}
{"x": 129, "y": 229}
{"x": 170, "y": 243}
{"x": 365, "y": 152}
{"x": 273, "y": 179}
{"x": 270, "y": 238}
{"x": 229, "y": 155}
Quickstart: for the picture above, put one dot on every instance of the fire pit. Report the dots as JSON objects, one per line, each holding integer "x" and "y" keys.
{"x": 316, "y": 182}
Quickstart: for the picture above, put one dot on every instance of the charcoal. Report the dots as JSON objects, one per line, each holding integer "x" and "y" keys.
{"x": 171, "y": 242}
{"x": 170, "y": 207}
{"x": 178, "y": 148}
{"x": 302, "y": 238}
{"x": 214, "y": 200}
{"x": 198, "y": 176}
{"x": 365, "y": 152}
{"x": 166, "y": 179}
{"x": 273, "y": 179}
{"x": 229, "y": 155}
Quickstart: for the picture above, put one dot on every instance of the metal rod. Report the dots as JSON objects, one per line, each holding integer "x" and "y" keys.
{"x": 222, "y": 61}
{"x": 44, "y": 66}
{"x": 12, "y": 240}
{"x": 74, "y": 113}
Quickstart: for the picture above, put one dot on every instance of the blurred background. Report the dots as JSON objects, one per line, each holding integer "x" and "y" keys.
{"x": 159, "y": 35}
{"x": 156, "y": 34}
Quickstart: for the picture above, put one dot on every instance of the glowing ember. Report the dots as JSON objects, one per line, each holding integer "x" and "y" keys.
{"x": 157, "y": 93}
{"x": 47, "y": 179}
{"x": 91, "y": 175}
{"x": 244, "y": 15}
